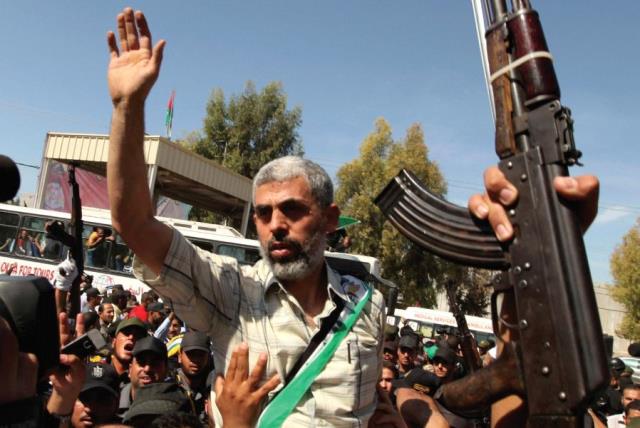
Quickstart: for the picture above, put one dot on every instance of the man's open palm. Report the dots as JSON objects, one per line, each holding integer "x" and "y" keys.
{"x": 134, "y": 67}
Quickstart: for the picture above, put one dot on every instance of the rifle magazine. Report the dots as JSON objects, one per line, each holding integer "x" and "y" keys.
{"x": 438, "y": 226}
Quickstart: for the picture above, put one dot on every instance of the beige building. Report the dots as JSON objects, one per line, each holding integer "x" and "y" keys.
{"x": 172, "y": 171}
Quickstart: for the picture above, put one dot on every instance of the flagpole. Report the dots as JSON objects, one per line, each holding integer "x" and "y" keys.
{"x": 168, "y": 119}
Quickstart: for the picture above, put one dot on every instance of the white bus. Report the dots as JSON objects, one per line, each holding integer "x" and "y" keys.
{"x": 428, "y": 321}
{"x": 25, "y": 249}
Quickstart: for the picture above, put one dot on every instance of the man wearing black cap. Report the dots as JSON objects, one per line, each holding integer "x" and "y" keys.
{"x": 444, "y": 363}
{"x": 195, "y": 365}
{"x": 149, "y": 365}
{"x": 93, "y": 300}
{"x": 390, "y": 351}
{"x": 419, "y": 379}
{"x": 128, "y": 332}
{"x": 407, "y": 353}
{"x": 155, "y": 400}
{"x": 98, "y": 399}
{"x": 155, "y": 315}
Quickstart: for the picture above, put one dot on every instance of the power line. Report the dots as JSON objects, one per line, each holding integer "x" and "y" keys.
{"x": 27, "y": 165}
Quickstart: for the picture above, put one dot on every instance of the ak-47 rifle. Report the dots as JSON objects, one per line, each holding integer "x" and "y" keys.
{"x": 76, "y": 250}
{"x": 468, "y": 343}
{"x": 73, "y": 240}
{"x": 554, "y": 356}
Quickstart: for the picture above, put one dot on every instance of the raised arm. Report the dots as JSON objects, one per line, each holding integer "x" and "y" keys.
{"x": 133, "y": 69}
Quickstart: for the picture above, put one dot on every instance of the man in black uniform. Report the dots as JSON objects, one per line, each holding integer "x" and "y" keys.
{"x": 195, "y": 365}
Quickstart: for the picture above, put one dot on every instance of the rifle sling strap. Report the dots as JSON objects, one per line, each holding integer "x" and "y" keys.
{"x": 326, "y": 326}
{"x": 311, "y": 363}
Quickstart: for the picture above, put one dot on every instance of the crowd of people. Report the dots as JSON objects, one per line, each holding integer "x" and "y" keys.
{"x": 157, "y": 372}
{"x": 286, "y": 342}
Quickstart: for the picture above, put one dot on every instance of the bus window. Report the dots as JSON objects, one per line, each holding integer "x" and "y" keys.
{"x": 207, "y": 246}
{"x": 121, "y": 256}
{"x": 97, "y": 241}
{"x": 245, "y": 256}
{"x": 43, "y": 246}
{"x": 31, "y": 237}
{"x": 8, "y": 231}
{"x": 426, "y": 330}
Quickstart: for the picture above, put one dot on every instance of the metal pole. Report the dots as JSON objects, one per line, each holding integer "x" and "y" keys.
{"x": 481, "y": 19}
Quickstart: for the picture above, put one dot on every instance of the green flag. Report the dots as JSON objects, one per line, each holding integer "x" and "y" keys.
{"x": 344, "y": 221}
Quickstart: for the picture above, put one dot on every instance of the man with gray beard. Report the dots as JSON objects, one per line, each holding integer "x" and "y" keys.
{"x": 277, "y": 306}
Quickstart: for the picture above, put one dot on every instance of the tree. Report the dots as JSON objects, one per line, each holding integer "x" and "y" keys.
{"x": 625, "y": 268}
{"x": 251, "y": 129}
{"x": 417, "y": 272}
{"x": 472, "y": 293}
{"x": 245, "y": 133}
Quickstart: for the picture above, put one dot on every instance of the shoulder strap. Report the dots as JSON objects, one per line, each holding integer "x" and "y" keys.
{"x": 325, "y": 328}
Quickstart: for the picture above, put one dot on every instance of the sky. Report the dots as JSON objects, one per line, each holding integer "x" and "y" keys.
{"x": 345, "y": 63}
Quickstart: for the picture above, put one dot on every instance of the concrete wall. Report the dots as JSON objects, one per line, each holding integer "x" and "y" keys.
{"x": 611, "y": 313}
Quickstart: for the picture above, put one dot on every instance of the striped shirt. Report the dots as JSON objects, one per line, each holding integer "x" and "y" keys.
{"x": 234, "y": 304}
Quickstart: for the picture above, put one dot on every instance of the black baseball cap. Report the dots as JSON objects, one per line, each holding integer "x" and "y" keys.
{"x": 101, "y": 376}
{"x": 408, "y": 341}
{"x": 150, "y": 344}
{"x": 92, "y": 292}
{"x": 157, "y": 399}
{"x": 195, "y": 340}
{"x": 390, "y": 345}
{"x": 446, "y": 354}
{"x": 419, "y": 379}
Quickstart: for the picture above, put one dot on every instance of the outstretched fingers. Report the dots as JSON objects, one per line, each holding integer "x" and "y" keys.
{"x": 113, "y": 45}
{"x": 143, "y": 27}
{"x": 242, "y": 367}
{"x": 156, "y": 57}
{"x": 268, "y": 386}
{"x": 122, "y": 32}
{"x": 131, "y": 29}
{"x": 233, "y": 364}
{"x": 258, "y": 370}
{"x": 80, "y": 328}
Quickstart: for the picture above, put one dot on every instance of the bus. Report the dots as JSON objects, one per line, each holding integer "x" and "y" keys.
{"x": 26, "y": 250}
{"x": 428, "y": 322}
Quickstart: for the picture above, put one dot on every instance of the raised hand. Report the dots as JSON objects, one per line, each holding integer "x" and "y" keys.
{"x": 134, "y": 68}
{"x": 66, "y": 381}
{"x": 64, "y": 329}
{"x": 238, "y": 395}
{"x": 500, "y": 193}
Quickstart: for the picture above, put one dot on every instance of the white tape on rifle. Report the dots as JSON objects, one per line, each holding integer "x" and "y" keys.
{"x": 517, "y": 63}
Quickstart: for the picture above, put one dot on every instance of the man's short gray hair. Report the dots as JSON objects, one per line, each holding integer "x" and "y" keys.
{"x": 290, "y": 167}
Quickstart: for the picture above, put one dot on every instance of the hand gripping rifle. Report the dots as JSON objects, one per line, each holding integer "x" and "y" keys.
{"x": 554, "y": 356}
